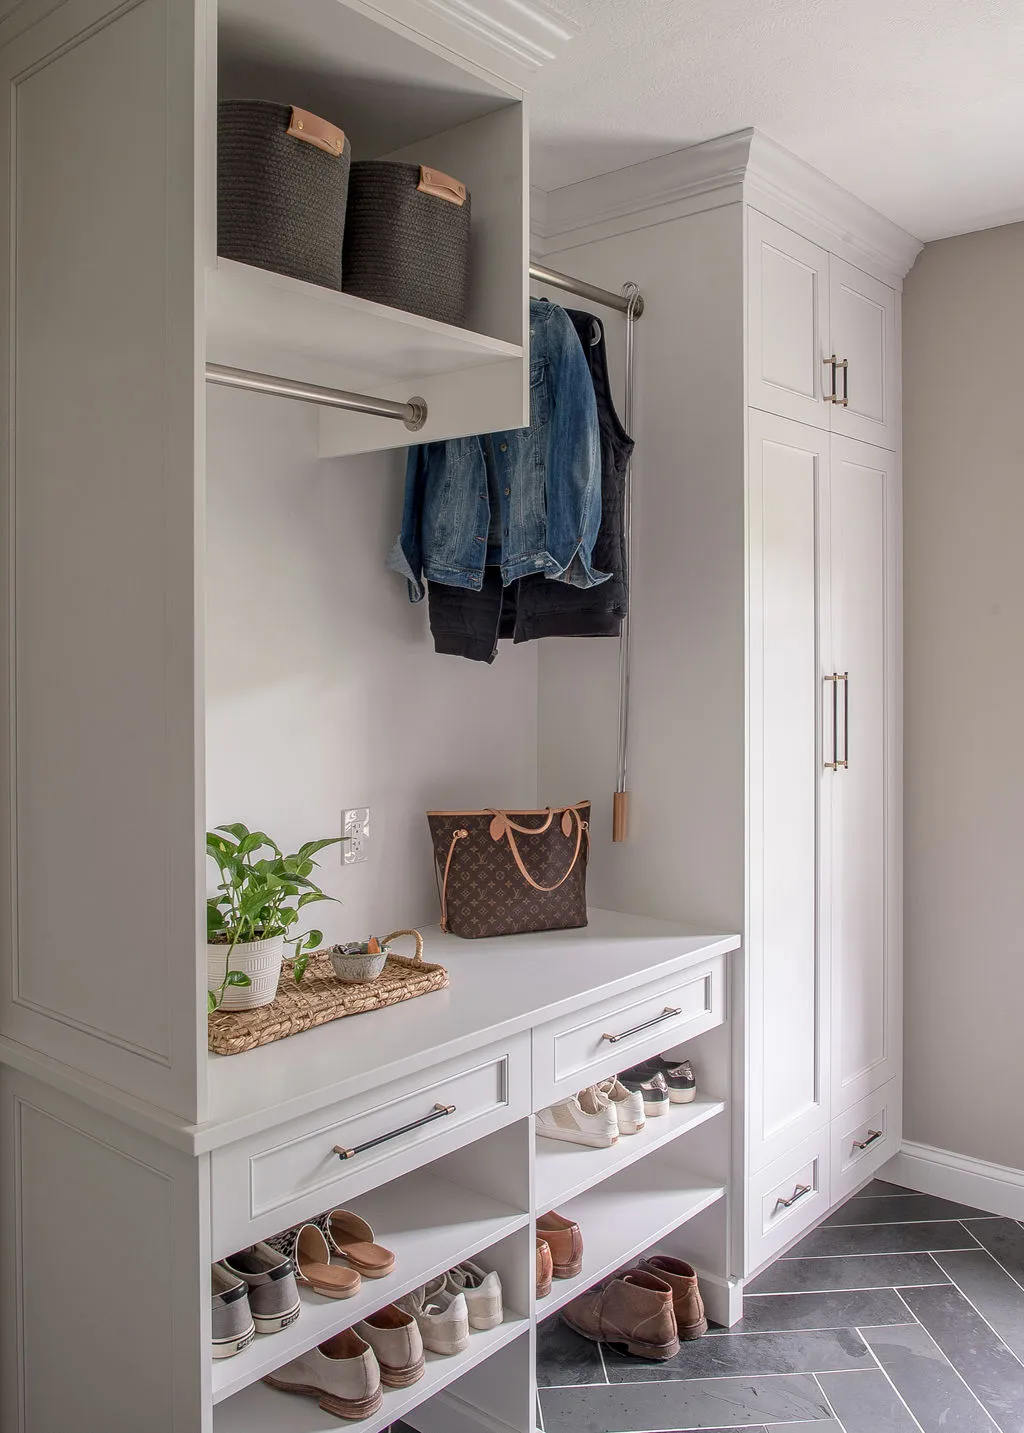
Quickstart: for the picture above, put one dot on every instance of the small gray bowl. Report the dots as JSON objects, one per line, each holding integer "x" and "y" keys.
{"x": 355, "y": 965}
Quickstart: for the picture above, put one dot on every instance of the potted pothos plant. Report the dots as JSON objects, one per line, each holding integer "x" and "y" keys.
{"x": 255, "y": 913}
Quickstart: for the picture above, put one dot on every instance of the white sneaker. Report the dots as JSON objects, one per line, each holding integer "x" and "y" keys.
{"x": 586, "y": 1118}
{"x": 482, "y": 1291}
{"x": 442, "y": 1315}
{"x": 627, "y": 1104}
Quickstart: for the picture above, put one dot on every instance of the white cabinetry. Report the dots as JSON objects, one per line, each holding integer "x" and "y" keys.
{"x": 821, "y": 340}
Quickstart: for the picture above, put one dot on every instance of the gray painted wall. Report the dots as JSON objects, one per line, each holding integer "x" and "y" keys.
{"x": 964, "y": 553}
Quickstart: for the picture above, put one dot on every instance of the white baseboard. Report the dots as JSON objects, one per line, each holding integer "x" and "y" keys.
{"x": 723, "y": 1298}
{"x": 996, "y": 1188}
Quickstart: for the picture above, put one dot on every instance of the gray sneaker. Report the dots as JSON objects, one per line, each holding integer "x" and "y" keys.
{"x": 233, "y": 1327}
{"x": 270, "y": 1280}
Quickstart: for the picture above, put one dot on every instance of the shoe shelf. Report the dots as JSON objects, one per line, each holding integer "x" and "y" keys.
{"x": 564, "y": 1170}
{"x": 262, "y": 1409}
{"x": 623, "y": 1216}
{"x": 430, "y": 1223}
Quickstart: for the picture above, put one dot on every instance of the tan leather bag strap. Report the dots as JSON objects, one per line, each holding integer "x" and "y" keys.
{"x": 502, "y": 826}
{"x": 442, "y": 889}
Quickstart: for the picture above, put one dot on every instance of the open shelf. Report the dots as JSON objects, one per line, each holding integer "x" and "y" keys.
{"x": 276, "y": 324}
{"x": 262, "y": 1409}
{"x": 565, "y": 1170}
{"x": 428, "y": 1222}
{"x": 626, "y": 1214}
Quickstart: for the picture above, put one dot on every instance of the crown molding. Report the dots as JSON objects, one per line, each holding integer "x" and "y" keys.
{"x": 513, "y": 38}
{"x": 745, "y": 166}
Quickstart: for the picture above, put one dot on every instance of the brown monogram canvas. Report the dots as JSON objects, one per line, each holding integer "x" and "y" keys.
{"x": 509, "y": 872}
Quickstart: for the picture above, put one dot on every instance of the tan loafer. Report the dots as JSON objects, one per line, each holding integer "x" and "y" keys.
{"x": 565, "y": 1241}
{"x": 545, "y": 1272}
{"x": 342, "y": 1373}
{"x": 394, "y": 1336}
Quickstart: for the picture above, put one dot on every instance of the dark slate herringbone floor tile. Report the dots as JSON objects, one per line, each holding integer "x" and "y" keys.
{"x": 563, "y": 1358}
{"x": 927, "y": 1382}
{"x": 867, "y": 1403}
{"x": 869, "y": 1271}
{"x": 665, "y": 1406}
{"x": 899, "y": 1209}
{"x": 1004, "y": 1239}
{"x": 882, "y": 1239}
{"x": 981, "y": 1358}
{"x": 775, "y": 1313}
{"x": 799, "y": 1352}
{"x": 996, "y": 1296}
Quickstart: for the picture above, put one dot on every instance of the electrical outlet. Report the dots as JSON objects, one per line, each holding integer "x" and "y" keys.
{"x": 355, "y": 824}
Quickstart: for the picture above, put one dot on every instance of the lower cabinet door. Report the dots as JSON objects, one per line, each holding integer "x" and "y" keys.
{"x": 786, "y": 1198}
{"x": 864, "y": 1138}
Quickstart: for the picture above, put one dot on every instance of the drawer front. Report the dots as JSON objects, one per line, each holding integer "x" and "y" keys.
{"x": 593, "y": 1043}
{"x": 786, "y": 1198}
{"x": 271, "y": 1181}
{"x": 864, "y": 1138}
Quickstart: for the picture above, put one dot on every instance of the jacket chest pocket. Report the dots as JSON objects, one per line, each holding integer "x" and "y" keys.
{"x": 539, "y": 402}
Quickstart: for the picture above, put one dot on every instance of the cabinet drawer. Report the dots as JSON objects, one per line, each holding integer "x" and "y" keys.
{"x": 272, "y": 1180}
{"x": 578, "y": 1049}
{"x": 863, "y": 1138}
{"x": 786, "y": 1198}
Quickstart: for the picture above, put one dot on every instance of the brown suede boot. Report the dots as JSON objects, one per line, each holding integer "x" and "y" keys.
{"x": 565, "y": 1241}
{"x": 686, "y": 1300}
{"x": 634, "y": 1309}
{"x": 544, "y": 1268}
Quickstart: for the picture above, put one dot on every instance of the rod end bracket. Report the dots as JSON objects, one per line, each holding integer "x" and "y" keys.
{"x": 417, "y": 414}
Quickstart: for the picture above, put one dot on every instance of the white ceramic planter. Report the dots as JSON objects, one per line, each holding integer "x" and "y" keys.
{"x": 261, "y": 962}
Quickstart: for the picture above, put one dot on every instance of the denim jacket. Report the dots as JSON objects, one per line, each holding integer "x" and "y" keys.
{"x": 528, "y": 500}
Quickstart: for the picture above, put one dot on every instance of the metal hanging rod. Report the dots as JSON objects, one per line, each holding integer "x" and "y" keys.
{"x": 413, "y": 414}
{"x": 620, "y": 302}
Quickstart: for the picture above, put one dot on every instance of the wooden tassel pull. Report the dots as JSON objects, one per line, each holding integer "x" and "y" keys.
{"x": 620, "y": 815}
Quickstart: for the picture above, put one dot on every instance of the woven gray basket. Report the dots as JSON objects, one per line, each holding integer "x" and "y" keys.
{"x": 282, "y": 181}
{"x": 407, "y": 239}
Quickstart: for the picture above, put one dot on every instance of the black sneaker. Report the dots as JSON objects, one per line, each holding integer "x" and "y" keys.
{"x": 652, "y": 1086}
{"x": 681, "y": 1081}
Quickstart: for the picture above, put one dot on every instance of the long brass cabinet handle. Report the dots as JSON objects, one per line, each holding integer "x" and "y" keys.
{"x": 666, "y": 1014}
{"x": 873, "y": 1135}
{"x": 844, "y": 364}
{"x": 833, "y": 765}
{"x": 437, "y": 1113}
{"x": 798, "y": 1193}
{"x": 845, "y": 679}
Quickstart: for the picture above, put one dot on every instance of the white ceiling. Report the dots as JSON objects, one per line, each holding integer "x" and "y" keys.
{"x": 915, "y": 106}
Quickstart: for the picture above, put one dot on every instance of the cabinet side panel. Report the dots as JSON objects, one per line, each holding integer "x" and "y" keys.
{"x": 99, "y": 479}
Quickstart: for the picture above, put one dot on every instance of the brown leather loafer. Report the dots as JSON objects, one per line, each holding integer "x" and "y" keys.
{"x": 634, "y": 1309}
{"x": 565, "y": 1241}
{"x": 545, "y": 1271}
{"x": 686, "y": 1300}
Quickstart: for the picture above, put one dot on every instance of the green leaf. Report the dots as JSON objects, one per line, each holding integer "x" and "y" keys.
{"x": 253, "y": 842}
{"x": 287, "y": 916}
{"x": 299, "y": 967}
{"x": 237, "y": 977}
{"x": 218, "y": 847}
{"x": 211, "y": 1002}
{"x": 313, "y": 939}
{"x": 309, "y": 896}
{"x": 215, "y": 922}
{"x": 235, "y": 829}
{"x": 311, "y": 847}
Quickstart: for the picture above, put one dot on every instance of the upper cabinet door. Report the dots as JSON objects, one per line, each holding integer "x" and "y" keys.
{"x": 787, "y": 967}
{"x": 100, "y": 749}
{"x": 860, "y": 643}
{"x": 787, "y": 322}
{"x": 863, "y": 336}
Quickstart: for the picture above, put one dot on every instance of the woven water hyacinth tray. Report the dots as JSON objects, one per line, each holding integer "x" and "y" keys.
{"x": 321, "y": 998}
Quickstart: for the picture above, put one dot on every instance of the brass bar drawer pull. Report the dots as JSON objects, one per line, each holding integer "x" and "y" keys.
{"x": 798, "y": 1193}
{"x": 844, "y": 677}
{"x": 437, "y": 1113}
{"x": 830, "y": 397}
{"x": 873, "y": 1135}
{"x": 666, "y": 1014}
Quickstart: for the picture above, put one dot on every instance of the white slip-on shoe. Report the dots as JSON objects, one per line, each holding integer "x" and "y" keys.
{"x": 342, "y": 1373}
{"x": 627, "y": 1104}
{"x": 232, "y": 1323}
{"x": 482, "y": 1291}
{"x": 394, "y": 1336}
{"x": 442, "y": 1315}
{"x": 586, "y": 1118}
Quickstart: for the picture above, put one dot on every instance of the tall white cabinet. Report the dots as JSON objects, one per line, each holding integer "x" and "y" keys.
{"x": 766, "y": 620}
